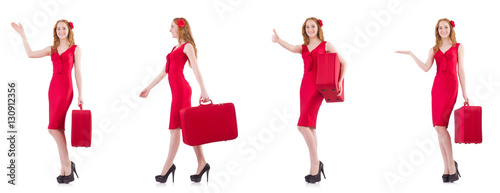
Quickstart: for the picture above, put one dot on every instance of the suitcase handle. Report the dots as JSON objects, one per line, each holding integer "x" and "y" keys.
{"x": 201, "y": 104}
{"x": 466, "y": 103}
{"x": 80, "y": 105}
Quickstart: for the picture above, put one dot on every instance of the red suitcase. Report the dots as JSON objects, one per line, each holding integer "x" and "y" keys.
{"x": 81, "y": 128}
{"x": 208, "y": 123}
{"x": 328, "y": 77}
{"x": 468, "y": 126}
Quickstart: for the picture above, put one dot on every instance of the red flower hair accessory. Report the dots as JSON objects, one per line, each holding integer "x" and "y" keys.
{"x": 320, "y": 23}
{"x": 180, "y": 23}
{"x": 452, "y": 23}
{"x": 71, "y": 24}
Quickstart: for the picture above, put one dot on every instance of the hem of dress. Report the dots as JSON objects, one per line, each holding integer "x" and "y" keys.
{"x": 434, "y": 125}
{"x": 313, "y": 126}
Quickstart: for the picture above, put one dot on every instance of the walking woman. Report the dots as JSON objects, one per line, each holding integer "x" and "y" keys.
{"x": 181, "y": 95}
{"x": 64, "y": 54}
{"x": 448, "y": 54}
{"x": 310, "y": 98}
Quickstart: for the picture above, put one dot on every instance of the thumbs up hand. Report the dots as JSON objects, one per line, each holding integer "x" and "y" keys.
{"x": 275, "y": 37}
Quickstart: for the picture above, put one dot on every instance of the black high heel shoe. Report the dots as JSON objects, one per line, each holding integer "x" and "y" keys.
{"x": 455, "y": 177}
{"x": 163, "y": 179}
{"x": 70, "y": 177}
{"x": 317, "y": 177}
{"x": 59, "y": 179}
{"x": 197, "y": 177}
{"x": 446, "y": 177}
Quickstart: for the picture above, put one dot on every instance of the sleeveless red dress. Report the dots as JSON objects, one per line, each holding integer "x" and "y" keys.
{"x": 181, "y": 91}
{"x": 310, "y": 98}
{"x": 445, "y": 87}
{"x": 61, "y": 87}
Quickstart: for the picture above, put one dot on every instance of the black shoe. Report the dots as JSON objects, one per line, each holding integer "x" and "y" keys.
{"x": 163, "y": 179}
{"x": 59, "y": 179}
{"x": 455, "y": 177}
{"x": 317, "y": 177}
{"x": 197, "y": 177}
{"x": 445, "y": 177}
{"x": 70, "y": 177}
{"x": 308, "y": 177}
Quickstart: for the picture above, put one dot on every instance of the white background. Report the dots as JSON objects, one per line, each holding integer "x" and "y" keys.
{"x": 374, "y": 133}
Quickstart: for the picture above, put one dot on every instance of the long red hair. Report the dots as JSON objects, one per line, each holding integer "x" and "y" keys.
{"x": 57, "y": 41}
{"x": 439, "y": 41}
{"x": 320, "y": 31}
{"x": 184, "y": 33}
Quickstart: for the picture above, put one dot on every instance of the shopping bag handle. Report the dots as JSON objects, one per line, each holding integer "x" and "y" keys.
{"x": 466, "y": 103}
{"x": 201, "y": 104}
{"x": 80, "y": 105}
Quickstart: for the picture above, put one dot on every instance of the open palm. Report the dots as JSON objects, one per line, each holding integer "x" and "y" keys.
{"x": 19, "y": 28}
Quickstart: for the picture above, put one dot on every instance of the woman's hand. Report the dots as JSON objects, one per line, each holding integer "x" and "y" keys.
{"x": 404, "y": 52}
{"x": 144, "y": 93}
{"x": 19, "y": 29}
{"x": 204, "y": 97}
{"x": 275, "y": 37}
{"x": 80, "y": 100}
{"x": 466, "y": 98}
{"x": 340, "y": 89}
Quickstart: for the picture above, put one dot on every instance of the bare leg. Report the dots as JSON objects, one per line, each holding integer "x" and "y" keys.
{"x": 445, "y": 140}
{"x": 310, "y": 137}
{"x": 175, "y": 139}
{"x": 200, "y": 157}
{"x": 60, "y": 139}
{"x": 315, "y": 138}
{"x": 445, "y": 158}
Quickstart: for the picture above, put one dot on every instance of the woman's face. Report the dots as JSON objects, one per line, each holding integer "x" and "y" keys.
{"x": 444, "y": 29}
{"x": 62, "y": 30}
{"x": 311, "y": 28}
{"x": 174, "y": 29}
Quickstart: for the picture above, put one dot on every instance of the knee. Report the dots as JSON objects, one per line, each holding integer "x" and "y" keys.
{"x": 54, "y": 131}
{"x": 175, "y": 131}
{"x": 302, "y": 128}
{"x": 440, "y": 130}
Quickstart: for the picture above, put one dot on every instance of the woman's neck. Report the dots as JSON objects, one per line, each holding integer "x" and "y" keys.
{"x": 64, "y": 42}
{"x": 314, "y": 40}
{"x": 446, "y": 40}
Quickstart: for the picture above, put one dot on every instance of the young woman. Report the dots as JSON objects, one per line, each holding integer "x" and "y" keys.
{"x": 64, "y": 54}
{"x": 448, "y": 54}
{"x": 181, "y": 95}
{"x": 310, "y": 98}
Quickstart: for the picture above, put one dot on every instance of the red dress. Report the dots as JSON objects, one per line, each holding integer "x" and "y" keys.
{"x": 310, "y": 98}
{"x": 61, "y": 87}
{"x": 181, "y": 91}
{"x": 445, "y": 87}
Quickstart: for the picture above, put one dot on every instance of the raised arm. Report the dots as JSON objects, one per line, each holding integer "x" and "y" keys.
{"x": 461, "y": 71}
{"x": 424, "y": 66}
{"x": 145, "y": 92}
{"x": 343, "y": 65}
{"x": 286, "y": 45}
{"x": 31, "y": 54}
{"x": 189, "y": 50}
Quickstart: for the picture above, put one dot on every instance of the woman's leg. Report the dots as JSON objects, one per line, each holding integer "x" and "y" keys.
{"x": 200, "y": 157}
{"x": 60, "y": 138}
{"x": 310, "y": 137}
{"x": 445, "y": 158}
{"x": 445, "y": 142}
{"x": 175, "y": 139}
